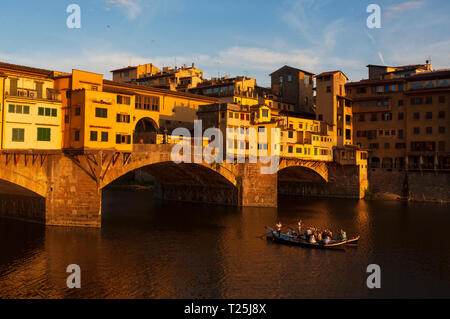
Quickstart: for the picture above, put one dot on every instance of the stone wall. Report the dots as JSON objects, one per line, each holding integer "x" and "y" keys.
{"x": 22, "y": 207}
{"x": 74, "y": 198}
{"x": 414, "y": 185}
{"x": 344, "y": 181}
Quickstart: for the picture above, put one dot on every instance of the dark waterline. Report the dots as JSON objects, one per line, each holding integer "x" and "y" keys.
{"x": 149, "y": 249}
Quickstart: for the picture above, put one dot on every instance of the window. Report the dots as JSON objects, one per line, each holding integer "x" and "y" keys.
{"x": 387, "y": 146}
{"x": 348, "y": 134}
{"x": 290, "y": 148}
{"x": 236, "y": 115}
{"x": 416, "y": 116}
{"x": 298, "y": 150}
{"x": 26, "y": 109}
{"x": 43, "y": 134}
{"x": 361, "y": 118}
{"x": 47, "y": 111}
{"x": 400, "y": 133}
{"x": 280, "y": 79}
{"x": 123, "y": 139}
{"x": 101, "y": 112}
{"x": 328, "y": 88}
{"x": 401, "y": 115}
{"x": 18, "y": 135}
{"x": 104, "y": 136}
{"x": 429, "y": 115}
{"x": 230, "y": 115}
{"x": 290, "y": 78}
{"x": 54, "y": 112}
{"x": 429, "y": 130}
{"x": 265, "y": 113}
{"x": 387, "y": 116}
{"x": 441, "y": 99}
{"x": 77, "y": 111}
{"x": 290, "y": 134}
{"x": 400, "y": 102}
{"x": 123, "y": 118}
{"x": 361, "y": 90}
{"x": 441, "y": 115}
{"x": 379, "y": 89}
{"x": 12, "y": 108}
{"x": 441, "y": 146}
{"x": 76, "y": 136}
{"x": 416, "y": 101}
{"x": 429, "y": 100}
{"x": 93, "y": 136}
{"x": 373, "y": 117}
{"x": 416, "y": 130}
{"x": 400, "y": 145}
{"x": 441, "y": 129}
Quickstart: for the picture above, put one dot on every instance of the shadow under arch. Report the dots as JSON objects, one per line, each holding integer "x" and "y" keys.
{"x": 188, "y": 182}
{"x": 300, "y": 181}
{"x": 21, "y": 203}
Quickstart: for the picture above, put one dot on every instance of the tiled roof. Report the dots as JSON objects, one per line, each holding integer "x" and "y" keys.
{"x": 22, "y": 68}
{"x": 157, "y": 90}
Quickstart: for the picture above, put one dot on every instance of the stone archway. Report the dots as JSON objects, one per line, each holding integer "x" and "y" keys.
{"x": 146, "y": 131}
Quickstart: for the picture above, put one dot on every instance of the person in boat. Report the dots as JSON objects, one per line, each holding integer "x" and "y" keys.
{"x": 343, "y": 235}
{"x": 312, "y": 239}
{"x": 278, "y": 227}
{"x": 299, "y": 227}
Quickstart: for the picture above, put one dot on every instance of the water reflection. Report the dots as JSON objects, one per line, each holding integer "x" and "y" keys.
{"x": 149, "y": 249}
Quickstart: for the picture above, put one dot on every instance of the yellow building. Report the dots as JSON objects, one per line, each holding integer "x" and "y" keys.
{"x": 131, "y": 73}
{"x": 104, "y": 114}
{"x": 31, "y": 109}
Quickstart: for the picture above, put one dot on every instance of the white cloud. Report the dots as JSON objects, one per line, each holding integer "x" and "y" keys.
{"x": 132, "y": 7}
{"x": 404, "y": 6}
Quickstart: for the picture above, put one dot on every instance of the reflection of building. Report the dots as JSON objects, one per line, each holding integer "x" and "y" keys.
{"x": 31, "y": 108}
{"x": 294, "y": 86}
{"x": 402, "y": 116}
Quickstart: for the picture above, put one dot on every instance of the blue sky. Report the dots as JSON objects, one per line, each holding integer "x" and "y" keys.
{"x": 246, "y": 37}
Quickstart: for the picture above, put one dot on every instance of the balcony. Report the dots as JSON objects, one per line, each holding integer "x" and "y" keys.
{"x": 52, "y": 95}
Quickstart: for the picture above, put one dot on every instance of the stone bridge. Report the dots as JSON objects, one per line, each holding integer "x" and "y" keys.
{"x": 65, "y": 188}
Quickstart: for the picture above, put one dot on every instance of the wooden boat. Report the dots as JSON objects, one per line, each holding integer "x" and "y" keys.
{"x": 288, "y": 239}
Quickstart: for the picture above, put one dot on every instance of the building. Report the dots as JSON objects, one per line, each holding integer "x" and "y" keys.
{"x": 294, "y": 86}
{"x": 403, "y": 118}
{"x": 131, "y": 73}
{"x": 334, "y": 107}
{"x": 300, "y": 138}
{"x": 383, "y": 72}
{"x": 104, "y": 114}
{"x": 30, "y": 107}
{"x": 176, "y": 79}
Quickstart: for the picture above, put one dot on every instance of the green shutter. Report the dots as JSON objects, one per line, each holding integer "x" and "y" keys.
{"x": 118, "y": 117}
{"x": 47, "y": 111}
{"x": 54, "y": 112}
{"x": 26, "y": 109}
{"x": 12, "y": 108}
{"x": 41, "y": 111}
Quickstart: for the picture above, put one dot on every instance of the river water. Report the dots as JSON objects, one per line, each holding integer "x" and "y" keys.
{"x": 152, "y": 249}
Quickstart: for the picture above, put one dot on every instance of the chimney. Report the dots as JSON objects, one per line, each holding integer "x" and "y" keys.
{"x": 193, "y": 64}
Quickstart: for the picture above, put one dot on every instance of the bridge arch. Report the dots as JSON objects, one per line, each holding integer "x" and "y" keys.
{"x": 318, "y": 167}
{"x": 25, "y": 178}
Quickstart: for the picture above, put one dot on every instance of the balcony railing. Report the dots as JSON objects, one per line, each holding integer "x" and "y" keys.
{"x": 52, "y": 95}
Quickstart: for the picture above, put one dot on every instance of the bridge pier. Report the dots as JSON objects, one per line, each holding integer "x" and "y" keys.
{"x": 73, "y": 197}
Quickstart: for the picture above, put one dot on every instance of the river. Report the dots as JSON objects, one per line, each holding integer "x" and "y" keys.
{"x": 153, "y": 249}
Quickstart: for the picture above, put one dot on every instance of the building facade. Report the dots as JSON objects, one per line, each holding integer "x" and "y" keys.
{"x": 31, "y": 109}
{"x": 294, "y": 86}
{"x": 402, "y": 117}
